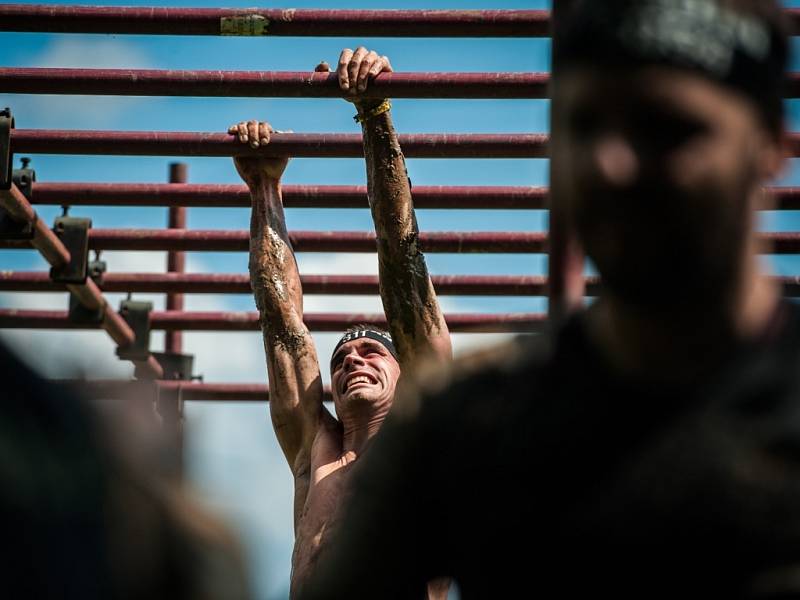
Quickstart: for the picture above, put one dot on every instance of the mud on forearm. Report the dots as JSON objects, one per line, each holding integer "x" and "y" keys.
{"x": 407, "y": 293}
{"x": 274, "y": 276}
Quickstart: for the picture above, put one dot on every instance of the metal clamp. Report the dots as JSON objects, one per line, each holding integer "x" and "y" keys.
{"x": 74, "y": 234}
{"x": 137, "y": 316}
{"x": 177, "y": 367}
{"x": 6, "y": 156}
{"x": 24, "y": 177}
{"x": 11, "y": 229}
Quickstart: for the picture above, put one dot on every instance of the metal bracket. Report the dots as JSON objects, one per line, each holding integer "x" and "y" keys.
{"x": 78, "y": 313}
{"x": 11, "y": 229}
{"x": 24, "y": 177}
{"x": 74, "y": 234}
{"x": 6, "y": 156}
{"x": 137, "y": 316}
{"x": 176, "y": 366}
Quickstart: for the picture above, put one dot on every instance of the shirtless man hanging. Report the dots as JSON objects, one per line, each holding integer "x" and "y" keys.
{"x": 367, "y": 363}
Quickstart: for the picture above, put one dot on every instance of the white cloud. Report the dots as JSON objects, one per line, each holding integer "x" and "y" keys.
{"x": 81, "y": 112}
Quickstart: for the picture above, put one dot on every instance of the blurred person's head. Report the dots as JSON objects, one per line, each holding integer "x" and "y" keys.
{"x": 671, "y": 121}
{"x": 364, "y": 370}
{"x": 85, "y": 510}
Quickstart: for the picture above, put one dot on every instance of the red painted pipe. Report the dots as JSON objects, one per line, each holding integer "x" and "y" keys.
{"x": 294, "y": 196}
{"x": 44, "y": 240}
{"x": 208, "y": 283}
{"x": 277, "y": 22}
{"x": 194, "y": 240}
{"x": 307, "y": 145}
{"x": 189, "y": 390}
{"x": 267, "y": 84}
{"x": 248, "y": 321}
{"x": 310, "y": 196}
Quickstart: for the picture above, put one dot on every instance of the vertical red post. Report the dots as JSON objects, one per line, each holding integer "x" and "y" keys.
{"x": 170, "y": 404}
{"x": 176, "y": 261}
{"x": 566, "y": 259}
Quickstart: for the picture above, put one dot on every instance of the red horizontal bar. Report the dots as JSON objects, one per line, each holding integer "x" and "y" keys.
{"x": 194, "y": 240}
{"x": 457, "y": 242}
{"x": 294, "y": 196}
{"x": 189, "y": 390}
{"x": 307, "y": 145}
{"x": 249, "y": 321}
{"x": 267, "y": 84}
{"x": 280, "y": 22}
{"x": 212, "y": 283}
{"x": 309, "y": 196}
{"x": 206, "y": 283}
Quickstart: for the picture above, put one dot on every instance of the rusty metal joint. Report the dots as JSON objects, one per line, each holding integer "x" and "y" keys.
{"x": 137, "y": 315}
{"x": 6, "y": 155}
{"x": 74, "y": 234}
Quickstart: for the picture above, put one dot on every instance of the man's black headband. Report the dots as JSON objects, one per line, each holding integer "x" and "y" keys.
{"x": 379, "y": 336}
{"x": 737, "y": 49}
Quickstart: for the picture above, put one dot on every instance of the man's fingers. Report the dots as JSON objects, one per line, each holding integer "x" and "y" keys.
{"x": 252, "y": 133}
{"x": 365, "y": 68}
{"x": 387, "y": 66}
{"x": 264, "y": 131}
{"x": 341, "y": 70}
{"x": 233, "y": 129}
{"x": 242, "y": 129}
{"x": 354, "y": 66}
{"x": 322, "y": 67}
{"x": 379, "y": 66}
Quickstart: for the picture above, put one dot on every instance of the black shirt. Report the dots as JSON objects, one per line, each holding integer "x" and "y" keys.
{"x": 544, "y": 473}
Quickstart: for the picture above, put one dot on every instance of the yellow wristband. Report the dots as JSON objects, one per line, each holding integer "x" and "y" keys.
{"x": 383, "y": 107}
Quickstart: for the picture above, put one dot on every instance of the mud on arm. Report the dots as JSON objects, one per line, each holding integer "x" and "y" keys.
{"x": 294, "y": 376}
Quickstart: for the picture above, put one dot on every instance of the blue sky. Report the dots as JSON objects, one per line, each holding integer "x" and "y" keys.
{"x": 233, "y": 459}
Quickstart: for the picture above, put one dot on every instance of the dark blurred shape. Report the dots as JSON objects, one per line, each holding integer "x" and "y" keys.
{"x": 84, "y": 515}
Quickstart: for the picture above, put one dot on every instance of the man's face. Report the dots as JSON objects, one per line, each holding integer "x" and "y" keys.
{"x": 363, "y": 370}
{"x": 659, "y": 169}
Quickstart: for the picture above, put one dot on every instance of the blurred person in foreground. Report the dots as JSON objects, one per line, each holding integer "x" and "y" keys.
{"x": 367, "y": 363}
{"x": 651, "y": 446}
{"x": 86, "y": 509}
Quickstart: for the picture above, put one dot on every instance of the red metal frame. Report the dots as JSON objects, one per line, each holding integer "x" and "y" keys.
{"x": 280, "y": 22}
{"x": 265, "y": 84}
{"x": 213, "y": 283}
{"x": 294, "y": 196}
{"x": 248, "y": 321}
{"x": 87, "y": 293}
{"x": 307, "y": 145}
{"x": 197, "y": 240}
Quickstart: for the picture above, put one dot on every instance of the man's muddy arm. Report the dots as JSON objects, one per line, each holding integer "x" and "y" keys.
{"x": 415, "y": 319}
{"x": 294, "y": 376}
{"x": 412, "y": 309}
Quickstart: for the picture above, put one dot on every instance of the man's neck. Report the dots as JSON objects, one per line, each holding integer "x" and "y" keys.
{"x": 679, "y": 344}
{"x": 360, "y": 426}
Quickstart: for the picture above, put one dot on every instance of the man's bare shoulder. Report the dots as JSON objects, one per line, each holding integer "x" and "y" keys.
{"x": 495, "y": 365}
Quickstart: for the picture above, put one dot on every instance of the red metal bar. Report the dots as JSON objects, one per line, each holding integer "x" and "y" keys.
{"x": 196, "y": 240}
{"x": 87, "y": 293}
{"x": 248, "y": 321}
{"x": 277, "y": 22}
{"x": 294, "y": 196}
{"x": 310, "y": 196}
{"x": 44, "y": 240}
{"x": 308, "y": 145}
{"x": 189, "y": 391}
{"x": 208, "y": 283}
{"x": 267, "y": 84}
{"x": 176, "y": 261}
{"x": 310, "y": 241}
